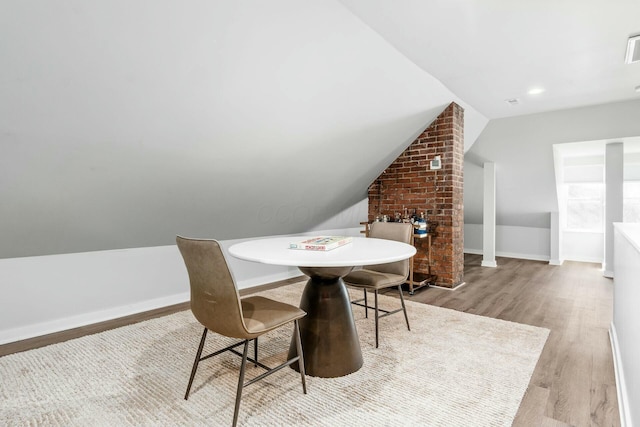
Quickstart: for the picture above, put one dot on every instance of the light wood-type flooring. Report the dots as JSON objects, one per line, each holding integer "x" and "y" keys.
{"x": 574, "y": 380}
{"x": 573, "y": 383}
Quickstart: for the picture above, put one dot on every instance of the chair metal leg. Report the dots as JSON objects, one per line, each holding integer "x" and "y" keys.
{"x": 301, "y": 356}
{"x": 240, "y": 382}
{"x": 366, "y": 306}
{"x": 195, "y": 363}
{"x": 255, "y": 351}
{"x": 243, "y": 366}
{"x": 404, "y": 309}
{"x": 376, "y": 306}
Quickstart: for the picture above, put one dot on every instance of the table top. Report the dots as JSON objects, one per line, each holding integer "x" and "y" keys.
{"x": 361, "y": 251}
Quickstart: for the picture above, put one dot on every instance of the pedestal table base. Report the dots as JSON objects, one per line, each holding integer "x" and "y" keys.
{"x": 328, "y": 332}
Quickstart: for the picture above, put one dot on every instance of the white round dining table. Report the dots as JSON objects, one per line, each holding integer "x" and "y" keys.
{"x": 329, "y": 337}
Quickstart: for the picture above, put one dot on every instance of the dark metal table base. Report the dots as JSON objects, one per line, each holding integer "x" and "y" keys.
{"x": 329, "y": 337}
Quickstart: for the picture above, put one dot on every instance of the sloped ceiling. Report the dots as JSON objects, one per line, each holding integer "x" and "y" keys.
{"x": 125, "y": 123}
{"x": 488, "y": 51}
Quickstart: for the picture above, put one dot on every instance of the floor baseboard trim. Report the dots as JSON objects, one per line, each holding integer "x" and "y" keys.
{"x": 94, "y": 328}
{"x": 449, "y": 289}
{"x": 621, "y": 386}
{"x": 491, "y": 264}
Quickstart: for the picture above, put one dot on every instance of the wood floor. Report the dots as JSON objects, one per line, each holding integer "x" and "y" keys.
{"x": 573, "y": 383}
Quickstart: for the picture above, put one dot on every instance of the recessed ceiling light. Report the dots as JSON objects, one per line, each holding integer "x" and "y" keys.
{"x": 536, "y": 91}
{"x": 633, "y": 50}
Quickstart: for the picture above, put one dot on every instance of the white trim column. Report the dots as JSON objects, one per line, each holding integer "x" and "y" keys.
{"x": 613, "y": 184}
{"x": 555, "y": 240}
{"x": 489, "y": 216}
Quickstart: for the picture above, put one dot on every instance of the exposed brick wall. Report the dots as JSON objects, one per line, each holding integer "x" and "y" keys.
{"x": 409, "y": 183}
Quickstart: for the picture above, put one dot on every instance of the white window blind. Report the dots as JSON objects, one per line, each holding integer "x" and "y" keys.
{"x": 585, "y": 206}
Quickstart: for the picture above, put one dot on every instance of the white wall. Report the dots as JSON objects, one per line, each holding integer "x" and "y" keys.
{"x": 473, "y": 238}
{"x": 352, "y": 217}
{"x": 625, "y": 333}
{"x": 51, "y": 293}
{"x": 522, "y": 149}
{"x": 535, "y": 243}
{"x": 583, "y": 246}
{"x": 512, "y": 242}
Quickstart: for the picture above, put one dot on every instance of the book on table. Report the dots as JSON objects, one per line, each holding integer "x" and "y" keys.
{"x": 321, "y": 243}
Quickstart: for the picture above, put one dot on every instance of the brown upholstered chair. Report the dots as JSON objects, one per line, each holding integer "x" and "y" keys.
{"x": 381, "y": 276}
{"x": 216, "y": 304}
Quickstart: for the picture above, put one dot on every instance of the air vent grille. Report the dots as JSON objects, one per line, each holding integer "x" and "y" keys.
{"x": 633, "y": 50}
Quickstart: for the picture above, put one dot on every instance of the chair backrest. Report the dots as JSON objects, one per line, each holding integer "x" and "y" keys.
{"x": 215, "y": 300}
{"x": 401, "y": 232}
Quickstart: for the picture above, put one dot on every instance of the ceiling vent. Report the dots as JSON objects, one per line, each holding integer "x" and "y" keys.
{"x": 633, "y": 50}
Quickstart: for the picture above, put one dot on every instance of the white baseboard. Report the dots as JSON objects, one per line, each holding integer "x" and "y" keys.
{"x": 556, "y": 261}
{"x": 621, "y": 386}
{"x": 491, "y": 264}
{"x": 449, "y": 289}
{"x": 533, "y": 257}
{"x": 593, "y": 260}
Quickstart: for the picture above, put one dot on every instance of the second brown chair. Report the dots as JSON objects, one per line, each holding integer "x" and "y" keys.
{"x": 382, "y": 276}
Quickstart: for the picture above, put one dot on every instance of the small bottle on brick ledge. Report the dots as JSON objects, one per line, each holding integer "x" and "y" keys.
{"x": 420, "y": 226}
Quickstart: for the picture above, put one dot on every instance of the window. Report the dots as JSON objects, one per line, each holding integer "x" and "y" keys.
{"x": 585, "y": 206}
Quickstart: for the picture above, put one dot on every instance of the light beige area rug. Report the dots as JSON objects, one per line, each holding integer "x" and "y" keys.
{"x": 452, "y": 369}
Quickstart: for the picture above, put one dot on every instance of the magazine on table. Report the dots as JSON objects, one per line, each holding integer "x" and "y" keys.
{"x": 321, "y": 243}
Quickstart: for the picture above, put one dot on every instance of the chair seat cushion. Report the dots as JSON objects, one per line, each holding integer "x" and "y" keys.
{"x": 264, "y": 314}
{"x": 373, "y": 279}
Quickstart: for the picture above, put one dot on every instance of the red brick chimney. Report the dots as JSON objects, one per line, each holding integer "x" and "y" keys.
{"x": 409, "y": 183}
